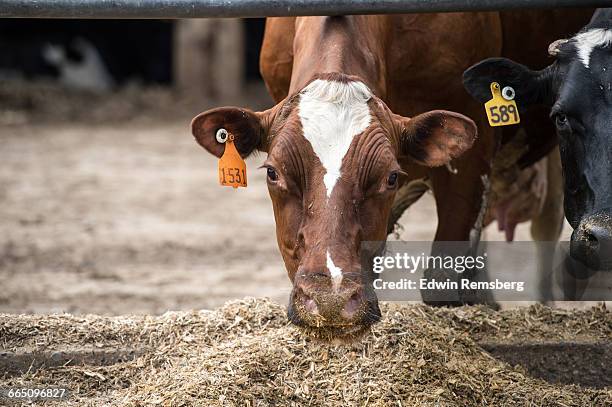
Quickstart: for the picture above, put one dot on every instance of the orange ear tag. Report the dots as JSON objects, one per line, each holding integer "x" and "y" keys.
{"x": 232, "y": 168}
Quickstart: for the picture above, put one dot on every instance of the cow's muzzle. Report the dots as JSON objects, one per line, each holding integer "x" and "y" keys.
{"x": 332, "y": 310}
{"x": 591, "y": 242}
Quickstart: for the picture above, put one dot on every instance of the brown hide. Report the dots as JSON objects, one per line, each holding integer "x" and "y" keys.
{"x": 358, "y": 105}
{"x": 421, "y": 70}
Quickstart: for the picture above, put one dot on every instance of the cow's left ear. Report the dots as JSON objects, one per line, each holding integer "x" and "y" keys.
{"x": 250, "y": 129}
{"x": 434, "y": 138}
{"x": 530, "y": 87}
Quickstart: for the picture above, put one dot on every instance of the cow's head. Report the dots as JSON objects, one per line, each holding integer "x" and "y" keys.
{"x": 578, "y": 89}
{"x": 332, "y": 172}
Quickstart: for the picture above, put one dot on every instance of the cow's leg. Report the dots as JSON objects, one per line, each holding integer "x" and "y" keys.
{"x": 461, "y": 194}
{"x": 547, "y": 226}
{"x": 407, "y": 194}
{"x": 461, "y": 201}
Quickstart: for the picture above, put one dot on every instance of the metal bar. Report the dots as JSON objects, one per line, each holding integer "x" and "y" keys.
{"x": 165, "y": 9}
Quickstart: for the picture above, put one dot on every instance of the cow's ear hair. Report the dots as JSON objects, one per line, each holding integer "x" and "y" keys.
{"x": 250, "y": 129}
{"x": 531, "y": 87}
{"x": 436, "y": 137}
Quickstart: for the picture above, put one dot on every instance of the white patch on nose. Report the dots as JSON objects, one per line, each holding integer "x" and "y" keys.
{"x": 332, "y": 113}
{"x": 589, "y": 40}
{"x": 334, "y": 272}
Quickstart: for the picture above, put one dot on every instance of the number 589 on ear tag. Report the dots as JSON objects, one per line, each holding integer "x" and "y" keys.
{"x": 501, "y": 109}
{"x": 232, "y": 168}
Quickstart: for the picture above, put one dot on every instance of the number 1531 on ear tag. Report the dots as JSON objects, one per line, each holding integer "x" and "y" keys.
{"x": 232, "y": 168}
{"x": 502, "y": 110}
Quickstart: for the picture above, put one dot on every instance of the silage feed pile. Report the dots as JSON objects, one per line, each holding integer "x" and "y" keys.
{"x": 246, "y": 354}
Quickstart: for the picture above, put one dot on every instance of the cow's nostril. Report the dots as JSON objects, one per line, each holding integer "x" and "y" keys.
{"x": 601, "y": 233}
{"x": 353, "y": 305}
{"x": 590, "y": 237}
{"x": 310, "y": 306}
{"x": 592, "y": 242}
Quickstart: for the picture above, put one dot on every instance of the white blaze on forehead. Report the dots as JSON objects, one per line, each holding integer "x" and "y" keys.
{"x": 332, "y": 113}
{"x": 589, "y": 40}
{"x": 334, "y": 272}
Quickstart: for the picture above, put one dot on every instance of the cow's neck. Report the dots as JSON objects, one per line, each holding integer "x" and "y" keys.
{"x": 339, "y": 44}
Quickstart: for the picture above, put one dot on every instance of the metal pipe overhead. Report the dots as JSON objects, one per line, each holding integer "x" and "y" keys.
{"x": 165, "y": 9}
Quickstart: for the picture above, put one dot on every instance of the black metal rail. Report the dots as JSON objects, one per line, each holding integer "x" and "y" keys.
{"x": 165, "y": 9}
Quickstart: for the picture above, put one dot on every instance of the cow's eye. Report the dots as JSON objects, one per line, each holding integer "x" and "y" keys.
{"x": 392, "y": 180}
{"x": 272, "y": 175}
{"x": 561, "y": 121}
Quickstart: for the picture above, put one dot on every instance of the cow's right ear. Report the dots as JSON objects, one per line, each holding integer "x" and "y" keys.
{"x": 531, "y": 87}
{"x": 250, "y": 129}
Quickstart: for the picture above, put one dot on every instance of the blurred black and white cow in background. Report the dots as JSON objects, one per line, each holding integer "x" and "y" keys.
{"x": 84, "y": 70}
{"x": 577, "y": 87}
{"x": 87, "y": 54}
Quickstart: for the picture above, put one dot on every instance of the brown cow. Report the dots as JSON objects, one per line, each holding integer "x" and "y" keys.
{"x": 341, "y": 135}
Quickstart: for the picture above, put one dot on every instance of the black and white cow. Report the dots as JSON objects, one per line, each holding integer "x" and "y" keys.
{"x": 577, "y": 87}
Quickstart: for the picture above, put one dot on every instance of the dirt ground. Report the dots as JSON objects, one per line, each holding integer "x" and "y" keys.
{"x": 108, "y": 206}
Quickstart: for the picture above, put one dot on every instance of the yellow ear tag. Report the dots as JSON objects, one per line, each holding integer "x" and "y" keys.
{"x": 502, "y": 110}
{"x": 232, "y": 168}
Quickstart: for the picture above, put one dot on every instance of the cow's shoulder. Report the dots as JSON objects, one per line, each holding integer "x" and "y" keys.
{"x": 276, "y": 58}
{"x": 427, "y": 54}
{"x": 541, "y": 27}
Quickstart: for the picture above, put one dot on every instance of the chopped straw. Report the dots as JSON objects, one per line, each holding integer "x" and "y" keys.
{"x": 246, "y": 354}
